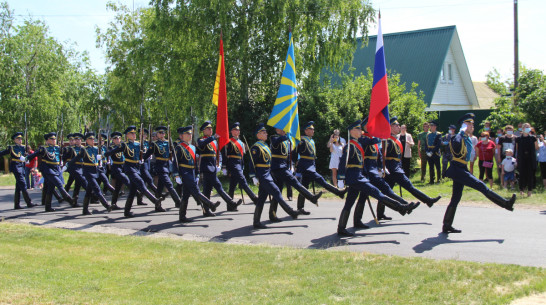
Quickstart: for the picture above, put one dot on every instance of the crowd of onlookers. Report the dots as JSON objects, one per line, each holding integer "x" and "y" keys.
{"x": 514, "y": 153}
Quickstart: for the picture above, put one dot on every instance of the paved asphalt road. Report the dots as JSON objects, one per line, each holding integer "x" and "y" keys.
{"x": 490, "y": 234}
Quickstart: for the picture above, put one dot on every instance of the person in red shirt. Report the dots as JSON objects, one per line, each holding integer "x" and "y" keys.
{"x": 28, "y": 170}
{"x": 485, "y": 150}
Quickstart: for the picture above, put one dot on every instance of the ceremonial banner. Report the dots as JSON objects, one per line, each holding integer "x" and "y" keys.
{"x": 378, "y": 118}
{"x": 285, "y": 111}
{"x": 219, "y": 98}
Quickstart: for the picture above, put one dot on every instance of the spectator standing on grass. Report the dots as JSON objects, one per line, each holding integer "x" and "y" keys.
{"x": 421, "y": 147}
{"x": 485, "y": 149}
{"x": 526, "y": 148}
{"x": 507, "y": 141}
{"x": 407, "y": 142}
{"x": 335, "y": 144}
{"x": 508, "y": 165}
{"x": 542, "y": 158}
{"x": 487, "y": 128}
{"x": 500, "y": 133}
{"x": 474, "y": 141}
{"x": 519, "y": 131}
{"x": 28, "y": 169}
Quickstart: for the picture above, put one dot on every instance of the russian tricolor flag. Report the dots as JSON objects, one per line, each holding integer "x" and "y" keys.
{"x": 378, "y": 118}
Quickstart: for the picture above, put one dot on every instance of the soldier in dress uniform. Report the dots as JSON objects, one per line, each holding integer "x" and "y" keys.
{"x": 118, "y": 159}
{"x": 65, "y": 156}
{"x": 372, "y": 155}
{"x": 461, "y": 149}
{"x": 306, "y": 166}
{"x": 90, "y": 157}
{"x": 75, "y": 169}
{"x": 446, "y": 153}
{"x": 131, "y": 167}
{"x": 51, "y": 158}
{"x": 102, "y": 166}
{"x": 351, "y": 169}
{"x": 261, "y": 173}
{"x": 394, "y": 166}
{"x": 145, "y": 167}
{"x": 17, "y": 167}
{"x": 185, "y": 175}
{"x": 432, "y": 149}
{"x": 207, "y": 147}
{"x": 234, "y": 153}
{"x": 162, "y": 152}
{"x": 281, "y": 149}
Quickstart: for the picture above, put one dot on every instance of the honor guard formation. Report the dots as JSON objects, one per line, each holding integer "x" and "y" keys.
{"x": 370, "y": 167}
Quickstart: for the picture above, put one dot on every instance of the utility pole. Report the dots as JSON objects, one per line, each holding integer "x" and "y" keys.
{"x": 516, "y": 57}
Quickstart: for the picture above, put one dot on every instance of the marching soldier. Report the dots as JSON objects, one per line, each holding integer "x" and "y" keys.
{"x": 118, "y": 159}
{"x": 65, "y": 152}
{"x": 446, "y": 153}
{"x": 131, "y": 167}
{"x": 75, "y": 169}
{"x": 375, "y": 174}
{"x": 351, "y": 169}
{"x": 461, "y": 149}
{"x": 162, "y": 152}
{"x": 234, "y": 153}
{"x": 306, "y": 167}
{"x": 145, "y": 167}
{"x": 17, "y": 167}
{"x": 208, "y": 152}
{"x": 185, "y": 175}
{"x": 102, "y": 166}
{"x": 90, "y": 157}
{"x": 394, "y": 166}
{"x": 51, "y": 158}
{"x": 432, "y": 149}
{"x": 261, "y": 173}
{"x": 281, "y": 172}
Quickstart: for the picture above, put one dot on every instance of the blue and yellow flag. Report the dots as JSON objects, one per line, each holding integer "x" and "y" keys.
{"x": 285, "y": 112}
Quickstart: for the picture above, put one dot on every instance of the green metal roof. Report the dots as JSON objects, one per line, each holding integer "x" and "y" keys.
{"x": 416, "y": 55}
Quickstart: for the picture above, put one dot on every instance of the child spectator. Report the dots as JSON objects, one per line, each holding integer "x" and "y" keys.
{"x": 508, "y": 166}
{"x": 37, "y": 177}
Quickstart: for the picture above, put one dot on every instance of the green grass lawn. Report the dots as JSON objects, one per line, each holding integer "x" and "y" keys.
{"x": 42, "y": 265}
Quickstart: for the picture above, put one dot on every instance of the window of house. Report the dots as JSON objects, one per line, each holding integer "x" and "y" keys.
{"x": 443, "y": 74}
{"x": 449, "y": 73}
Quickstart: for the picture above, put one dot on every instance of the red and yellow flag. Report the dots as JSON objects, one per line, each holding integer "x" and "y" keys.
{"x": 219, "y": 98}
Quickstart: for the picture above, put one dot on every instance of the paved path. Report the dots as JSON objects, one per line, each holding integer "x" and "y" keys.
{"x": 490, "y": 234}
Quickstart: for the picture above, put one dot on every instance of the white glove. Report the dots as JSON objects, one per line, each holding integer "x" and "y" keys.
{"x": 178, "y": 180}
{"x": 387, "y": 171}
{"x": 63, "y": 169}
{"x": 255, "y": 180}
{"x": 463, "y": 127}
{"x": 224, "y": 172}
{"x": 23, "y": 158}
{"x": 99, "y": 157}
{"x": 340, "y": 184}
{"x": 429, "y": 154}
{"x": 216, "y": 136}
{"x": 197, "y": 180}
{"x": 140, "y": 161}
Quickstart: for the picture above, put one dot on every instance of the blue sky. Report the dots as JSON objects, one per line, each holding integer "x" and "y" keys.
{"x": 485, "y": 27}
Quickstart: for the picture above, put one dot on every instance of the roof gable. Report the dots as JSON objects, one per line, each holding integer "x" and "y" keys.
{"x": 417, "y": 56}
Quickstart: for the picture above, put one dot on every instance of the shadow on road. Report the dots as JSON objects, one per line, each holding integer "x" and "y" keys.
{"x": 428, "y": 244}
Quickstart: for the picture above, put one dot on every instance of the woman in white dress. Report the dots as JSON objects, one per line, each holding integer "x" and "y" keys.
{"x": 335, "y": 144}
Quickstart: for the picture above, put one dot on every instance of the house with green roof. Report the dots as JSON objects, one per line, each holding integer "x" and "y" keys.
{"x": 434, "y": 59}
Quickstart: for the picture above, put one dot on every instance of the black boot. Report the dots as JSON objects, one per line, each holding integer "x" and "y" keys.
{"x": 288, "y": 209}
{"x": 501, "y": 201}
{"x": 273, "y": 211}
{"x": 156, "y": 201}
{"x": 449, "y": 216}
{"x": 359, "y": 211}
{"x": 257, "y": 215}
{"x": 301, "y": 204}
{"x": 424, "y": 198}
{"x": 204, "y": 201}
{"x": 57, "y": 196}
{"x": 175, "y": 197}
{"x": 393, "y": 204}
{"x": 182, "y": 212}
{"x": 250, "y": 193}
{"x": 17, "y": 200}
{"x": 48, "y": 199}
{"x": 115, "y": 196}
{"x": 308, "y": 195}
{"x": 128, "y": 204}
{"x": 74, "y": 202}
{"x": 335, "y": 190}
{"x": 140, "y": 199}
{"x": 231, "y": 205}
{"x": 104, "y": 203}
{"x": 381, "y": 212}
{"x": 85, "y": 210}
{"x": 28, "y": 201}
{"x": 342, "y": 225}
